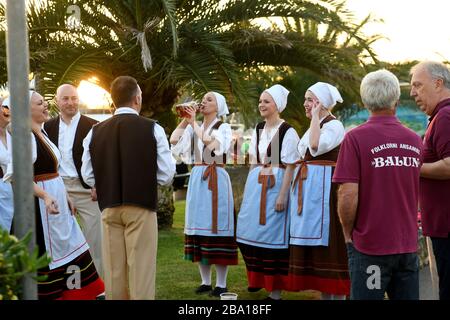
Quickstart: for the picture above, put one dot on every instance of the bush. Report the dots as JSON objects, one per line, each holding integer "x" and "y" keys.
{"x": 15, "y": 262}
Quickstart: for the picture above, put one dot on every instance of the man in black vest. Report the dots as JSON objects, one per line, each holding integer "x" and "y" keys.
{"x": 67, "y": 131}
{"x": 126, "y": 157}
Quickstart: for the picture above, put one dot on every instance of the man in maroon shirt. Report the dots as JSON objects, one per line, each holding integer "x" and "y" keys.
{"x": 378, "y": 169}
{"x": 430, "y": 87}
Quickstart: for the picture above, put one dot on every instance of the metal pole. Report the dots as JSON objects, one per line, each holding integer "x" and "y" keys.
{"x": 18, "y": 70}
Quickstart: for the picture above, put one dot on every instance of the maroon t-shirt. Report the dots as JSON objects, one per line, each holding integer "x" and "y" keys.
{"x": 435, "y": 194}
{"x": 384, "y": 158}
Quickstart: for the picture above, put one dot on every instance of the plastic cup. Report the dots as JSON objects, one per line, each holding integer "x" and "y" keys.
{"x": 228, "y": 296}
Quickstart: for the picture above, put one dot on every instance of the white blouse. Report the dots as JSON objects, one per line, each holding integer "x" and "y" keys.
{"x": 4, "y": 156}
{"x": 331, "y": 135}
{"x": 223, "y": 136}
{"x": 9, "y": 170}
{"x": 289, "y": 153}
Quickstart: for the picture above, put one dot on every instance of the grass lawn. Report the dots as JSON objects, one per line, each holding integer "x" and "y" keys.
{"x": 176, "y": 278}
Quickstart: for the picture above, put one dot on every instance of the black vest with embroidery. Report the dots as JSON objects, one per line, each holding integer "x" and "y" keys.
{"x": 331, "y": 155}
{"x": 277, "y": 140}
{"x": 124, "y": 160}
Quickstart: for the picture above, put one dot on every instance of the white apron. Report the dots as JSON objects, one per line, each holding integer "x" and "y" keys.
{"x": 275, "y": 233}
{"x": 312, "y": 226}
{"x": 198, "y": 219}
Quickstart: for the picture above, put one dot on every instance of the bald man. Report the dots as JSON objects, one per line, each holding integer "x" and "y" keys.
{"x": 67, "y": 131}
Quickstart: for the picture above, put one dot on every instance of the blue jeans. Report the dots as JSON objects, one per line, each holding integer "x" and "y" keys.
{"x": 441, "y": 250}
{"x": 373, "y": 276}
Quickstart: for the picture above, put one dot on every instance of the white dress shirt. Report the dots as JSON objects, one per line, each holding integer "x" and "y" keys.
{"x": 164, "y": 158}
{"x": 331, "y": 135}
{"x": 65, "y": 145}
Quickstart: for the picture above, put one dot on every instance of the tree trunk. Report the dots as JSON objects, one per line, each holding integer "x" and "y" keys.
{"x": 166, "y": 207}
{"x": 238, "y": 176}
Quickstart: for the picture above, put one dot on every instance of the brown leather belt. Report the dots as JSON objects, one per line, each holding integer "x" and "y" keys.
{"x": 267, "y": 179}
{"x": 45, "y": 176}
{"x": 302, "y": 174}
{"x": 211, "y": 174}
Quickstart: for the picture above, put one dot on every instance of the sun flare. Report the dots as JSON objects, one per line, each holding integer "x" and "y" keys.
{"x": 93, "y": 96}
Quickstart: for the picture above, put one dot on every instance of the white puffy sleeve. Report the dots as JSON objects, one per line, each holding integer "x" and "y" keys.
{"x": 331, "y": 135}
{"x": 224, "y": 136}
{"x": 166, "y": 163}
{"x": 87, "y": 172}
{"x": 289, "y": 152}
{"x": 183, "y": 148}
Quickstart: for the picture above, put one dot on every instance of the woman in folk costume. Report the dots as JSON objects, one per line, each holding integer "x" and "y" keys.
{"x": 318, "y": 258}
{"x": 263, "y": 221}
{"x": 209, "y": 221}
{"x": 6, "y": 194}
{"x": 71, "y": 274}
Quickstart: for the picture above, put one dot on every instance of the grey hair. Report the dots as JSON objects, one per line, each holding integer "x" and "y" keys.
{"x": 437, "y": 70}
{"x": 380, "y": 90}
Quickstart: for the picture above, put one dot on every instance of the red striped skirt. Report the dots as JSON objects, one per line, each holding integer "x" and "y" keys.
{"x": 211, "y": 250}
{"x": 266, "y": 268}
{"x": 76, "y": 280}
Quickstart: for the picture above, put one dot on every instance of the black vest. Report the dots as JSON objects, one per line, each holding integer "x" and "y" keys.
{"x": 46, "y": 161}
{"x": 331, "y": 155}
{"x": 277, "y": 140}
{"x": 84, "y": 126}
{"x": 123, "y": 153}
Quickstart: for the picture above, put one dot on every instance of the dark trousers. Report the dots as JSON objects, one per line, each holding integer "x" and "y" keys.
{"x": 441, "y": 249}
{"x": 373, "y": 276}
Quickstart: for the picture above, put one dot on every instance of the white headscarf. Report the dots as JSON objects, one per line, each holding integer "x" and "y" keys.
{"x": 279, "y": 95}
{"x": 222, "y": 108}
{"x": 327, "y": 94}
{"x": 7, "y": 102}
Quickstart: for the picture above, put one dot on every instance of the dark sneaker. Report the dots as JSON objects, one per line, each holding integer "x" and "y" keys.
{"x": 217, "y": 291}
{"x": 203, "y": 289}
{"x": 251, "y": 289}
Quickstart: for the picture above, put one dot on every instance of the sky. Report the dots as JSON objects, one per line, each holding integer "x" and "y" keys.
{"x": 416, "y": 29}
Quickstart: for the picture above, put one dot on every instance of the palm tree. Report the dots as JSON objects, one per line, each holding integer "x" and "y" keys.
{"x": 178, "y": 46}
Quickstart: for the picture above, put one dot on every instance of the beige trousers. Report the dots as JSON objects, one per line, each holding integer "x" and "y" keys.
{"x": 130, "y": 241}
{"x": 89, "y": 216}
